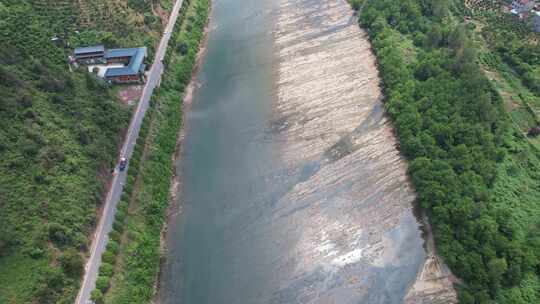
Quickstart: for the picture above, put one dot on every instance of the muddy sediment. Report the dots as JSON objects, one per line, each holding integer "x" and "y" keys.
{"x": 330, "y": 115}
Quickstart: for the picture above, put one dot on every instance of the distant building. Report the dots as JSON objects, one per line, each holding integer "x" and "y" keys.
{"x": 536, "y": 21}
{"x": 133, "y": 58}
{"x": 522, "y": 6}
{"x": 90, "y": 54}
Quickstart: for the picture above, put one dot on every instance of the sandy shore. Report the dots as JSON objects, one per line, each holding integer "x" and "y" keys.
{"x": 329, "y": 112}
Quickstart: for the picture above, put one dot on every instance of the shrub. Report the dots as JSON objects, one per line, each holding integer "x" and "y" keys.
{"x": 106, "y": 269}
{"x": 108, "y": 257}
{"x": 97, "y": 296}
{"x": 118, "y": 226}
{"x": 356, "y": 4}
{"x": 59, "y": 234}
{"x": 114, "y": 235}
{"x": 102, "y": 283}
{"x": 72, "y": 263}
{"x": 112, "y": 246}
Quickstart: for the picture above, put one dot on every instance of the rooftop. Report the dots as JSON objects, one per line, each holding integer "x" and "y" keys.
{"x": 89, "y": 49}
{"x": 115, "y": 53}
{"x": 135, "y": 65}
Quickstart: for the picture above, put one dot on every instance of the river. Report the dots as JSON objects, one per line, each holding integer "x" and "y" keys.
{"x": 292, "y": 187}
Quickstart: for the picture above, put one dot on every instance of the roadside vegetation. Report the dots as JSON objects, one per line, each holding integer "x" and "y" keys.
{"x": 131, "y": 262}
{"x": 59, "y": 136}
{"x": 476, "y": 172}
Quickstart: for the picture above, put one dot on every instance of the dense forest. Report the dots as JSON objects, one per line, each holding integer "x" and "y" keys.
{"x": 59, "y": 135}
{"x": 476, "y": 175}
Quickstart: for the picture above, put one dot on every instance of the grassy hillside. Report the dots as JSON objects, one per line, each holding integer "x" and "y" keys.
{"x": 59, "y": 135}
{"x": 474, "y": 170}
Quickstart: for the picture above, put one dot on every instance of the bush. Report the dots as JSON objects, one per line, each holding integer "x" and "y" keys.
{"x": 59, "y": 234}
{"x": 182, "y": 48}
{"x": 356, "y": 4}
{"x": 102, "y": 283}
{"x": 120, "y": 216}
{"x": 97, "y": 296}
{"x": 118, "y": 226}
{"x": 72, "y": 263}
{"x": 36, "y": 253}
{"x": 106, "y": 269}
{"x": 108, "y": 257}
{"x": 114, "y": 235}
{"x": 112, "y": 246}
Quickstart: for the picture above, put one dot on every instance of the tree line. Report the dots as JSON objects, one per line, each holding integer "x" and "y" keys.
{"x": 454, "y": 130}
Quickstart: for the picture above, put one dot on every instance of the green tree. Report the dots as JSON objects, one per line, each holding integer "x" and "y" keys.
{"x": 72, "y": 263}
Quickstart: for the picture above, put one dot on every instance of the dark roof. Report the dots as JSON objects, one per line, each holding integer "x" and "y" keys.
{"x": 135, "y": 65}
{"x": 115, "y": 53}
{"x": 89, "y": 49}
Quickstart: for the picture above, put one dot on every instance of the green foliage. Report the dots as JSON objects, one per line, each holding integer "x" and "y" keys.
{"x": 112, "y": 246}
{"x": 72, "y": 263}
{"x": 513, "y": 40}
{"x": 108, "y": 256}
{"x": 59, "y": 135}
{"x": 356, "y": 4}
{"x": 140, "y": 255}
{"x": 453, "y": 128}
{"x": 102, "y": 283}
{"x": 23, "y": 274}
{"x": 106, "y": 269}
{"x": 97, "y": 296}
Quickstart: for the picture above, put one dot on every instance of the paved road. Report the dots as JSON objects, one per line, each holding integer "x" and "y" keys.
{"x": 106, "y": 221}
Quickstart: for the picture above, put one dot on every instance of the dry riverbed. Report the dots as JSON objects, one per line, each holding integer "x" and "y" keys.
{"x": 362, "y": 235}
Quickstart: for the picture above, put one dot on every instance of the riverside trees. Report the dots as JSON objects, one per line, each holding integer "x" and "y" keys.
{"x": 453, "y": 128}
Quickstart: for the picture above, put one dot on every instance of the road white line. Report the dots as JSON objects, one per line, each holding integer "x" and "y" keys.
{"x": 101, "y": 235}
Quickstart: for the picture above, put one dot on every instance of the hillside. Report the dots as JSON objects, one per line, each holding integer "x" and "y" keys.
{"x": 462, "y": 98}
{"x": 59, "y": 135}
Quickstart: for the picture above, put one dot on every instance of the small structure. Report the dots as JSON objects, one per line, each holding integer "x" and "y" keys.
{"x": 522, "y": 6}
{"x": 536, "y": 21}
{"x": 90, "y": 54}
{"x": 133, "y": 58}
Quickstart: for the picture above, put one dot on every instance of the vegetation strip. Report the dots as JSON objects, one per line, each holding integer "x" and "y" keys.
{"x": 59, "y": 135}
{"x": 133, "y": 279}
{"x": 466, "y": 158}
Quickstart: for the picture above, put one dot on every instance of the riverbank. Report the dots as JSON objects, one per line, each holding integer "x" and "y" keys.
{"x": 293, "y": 189}
{"x": 132, "y": 259}
{"x": 175, "y": 204}
{"x": 454, "y": 130}
{"x": 331, "y": 116}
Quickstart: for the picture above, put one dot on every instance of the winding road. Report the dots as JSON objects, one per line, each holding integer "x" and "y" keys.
{"x": 101, "y": 236}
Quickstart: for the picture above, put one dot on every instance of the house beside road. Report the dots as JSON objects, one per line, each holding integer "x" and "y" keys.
{"x": 89, "y": 54}
{"x": 125, "y": 65}
{"x": 134, "y": 68}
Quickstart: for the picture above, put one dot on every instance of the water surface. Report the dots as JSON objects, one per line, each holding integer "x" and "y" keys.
{"x": 292, "y": 189}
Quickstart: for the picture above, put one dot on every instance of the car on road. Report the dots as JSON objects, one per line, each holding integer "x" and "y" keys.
{"x": 123, "y": 164}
